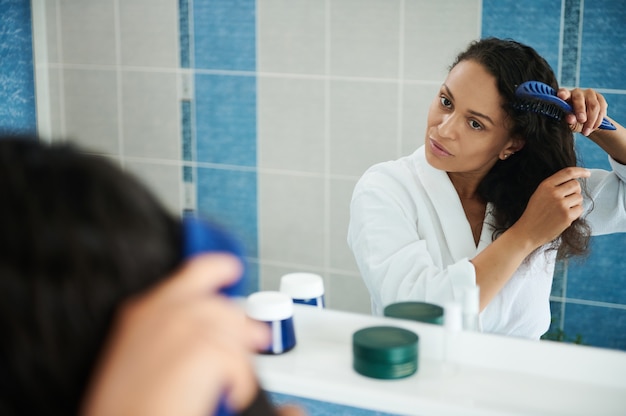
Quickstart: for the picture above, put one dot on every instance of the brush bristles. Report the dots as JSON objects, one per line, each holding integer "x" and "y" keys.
{"x": 539, "y": 107}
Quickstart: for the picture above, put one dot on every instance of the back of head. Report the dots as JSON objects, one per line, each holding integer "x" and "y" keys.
{"x": 548, "y": 143}
{"x": 78, "y": 237}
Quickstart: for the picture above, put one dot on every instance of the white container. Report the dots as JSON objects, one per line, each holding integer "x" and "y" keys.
{"x": 276, "y": 310}
{"x": 304, "y": 288}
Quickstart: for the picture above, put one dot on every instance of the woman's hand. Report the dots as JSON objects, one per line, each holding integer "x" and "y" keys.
{"x": 176, "y": 349}
{"x": 589, "y": 107}
{"x": 554, "y": 205}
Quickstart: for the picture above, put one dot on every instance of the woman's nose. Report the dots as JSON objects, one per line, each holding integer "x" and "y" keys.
{"x": 448, "y": 126}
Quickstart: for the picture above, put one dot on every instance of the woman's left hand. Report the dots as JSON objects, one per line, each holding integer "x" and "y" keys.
{"x": 589, "y": 107}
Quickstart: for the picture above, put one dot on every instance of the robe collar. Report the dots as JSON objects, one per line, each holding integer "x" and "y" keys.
{"x": 456, "y": 227}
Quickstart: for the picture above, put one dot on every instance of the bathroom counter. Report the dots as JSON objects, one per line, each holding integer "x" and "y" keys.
{"x": 486, "y": 374}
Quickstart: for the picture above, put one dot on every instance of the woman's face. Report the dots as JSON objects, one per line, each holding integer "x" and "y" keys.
{"x": 466, "y": 130}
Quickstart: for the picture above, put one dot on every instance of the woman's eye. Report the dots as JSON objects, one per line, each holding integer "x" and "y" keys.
{"x": 445, "y": 102}
{"x": 475, "y": 125}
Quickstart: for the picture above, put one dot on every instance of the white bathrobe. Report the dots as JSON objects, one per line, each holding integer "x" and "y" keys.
{"x": 412, "y": 241}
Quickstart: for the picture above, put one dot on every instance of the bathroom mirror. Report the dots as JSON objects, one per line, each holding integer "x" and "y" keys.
{"x": 263, "y": 114}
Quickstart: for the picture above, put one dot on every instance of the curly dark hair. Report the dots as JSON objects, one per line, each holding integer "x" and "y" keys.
{"x": 549, "y": 143}
{"x": 78, "y": 237}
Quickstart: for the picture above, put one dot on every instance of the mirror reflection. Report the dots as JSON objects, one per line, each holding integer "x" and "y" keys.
{"x": 265, "y": 115}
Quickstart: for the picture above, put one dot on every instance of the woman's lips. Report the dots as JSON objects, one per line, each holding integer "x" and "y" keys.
{"x": 438, "y": 149}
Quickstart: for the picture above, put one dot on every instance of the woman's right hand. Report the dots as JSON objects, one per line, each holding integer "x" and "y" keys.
{"x": 554, "y": 206}
{"x": 179, "y": 347}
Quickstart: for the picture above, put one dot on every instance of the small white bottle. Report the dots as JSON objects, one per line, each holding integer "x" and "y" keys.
{"x": 452, "y": 324}
{"x": 471, "y": 309}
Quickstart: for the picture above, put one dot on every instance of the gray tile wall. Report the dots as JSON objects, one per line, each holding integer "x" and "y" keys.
{"x": 341, "y": 85}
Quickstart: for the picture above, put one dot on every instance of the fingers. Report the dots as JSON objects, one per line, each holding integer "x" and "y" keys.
{"x": 220, "y": 316}
{"x": 567, "y": 189}
{"x": 201, "y": 275}
{"x": 567, "y": 174}
{"x": 589, "y": 109}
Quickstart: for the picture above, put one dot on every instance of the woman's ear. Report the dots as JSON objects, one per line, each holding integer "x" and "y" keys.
{"x": 515, "y": 145}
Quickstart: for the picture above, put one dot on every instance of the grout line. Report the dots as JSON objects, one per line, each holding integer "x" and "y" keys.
{"x": 347, "y": 78}
{"x": 41, "y": 70}
{"x": 222, "y": 166}
{"x": 118, "y": 76}
{"x": 588, "y": 302}
{"x": 61, "y": 73}
{"x": 285, "y": 75}
{"x": 193, "y": 117}
{"x": 581, "y": 12}
{"x": 327, "y": 144}
{"x": 260, "y": 283}
{"x": 479, "y": 29}
{"x": 559, "y": 71}
{"x": 400, "y": 115}
{"x": 302, "y": 266}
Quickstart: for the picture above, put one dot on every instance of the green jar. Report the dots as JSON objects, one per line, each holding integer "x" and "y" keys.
{"x": 416, "y": 311}
{"x": 385, "y": 352}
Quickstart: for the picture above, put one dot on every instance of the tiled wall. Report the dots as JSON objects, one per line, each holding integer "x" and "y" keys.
{"x": 586, "y": 46}
{"x": 263, "y": 114}
{"x": 112, "y": 83}
{"x": 341, "y": 85}
{"x": 17, "y": 84}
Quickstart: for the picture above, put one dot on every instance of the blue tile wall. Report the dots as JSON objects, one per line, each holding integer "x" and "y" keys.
{"x": 225, "y": 34}
{"x": 229, "y": 197}
{"x": 536, "y": 23}
{"x": 596, "y": 326}
{"x": 184, "y": 33}
{"x": 602, "y": 276}
{"x": 17, "y": 83}
{"x": 224, "y": 114}
{"x": 571, "y": 35}
{"x": 604, "y": 35}
{"x": 226, "y": 119}
{"x": 318, "y": 408}
{"x": 585, "y": 294}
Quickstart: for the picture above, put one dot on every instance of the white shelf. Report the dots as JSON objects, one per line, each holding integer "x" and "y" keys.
{"x": 491, "y": 376}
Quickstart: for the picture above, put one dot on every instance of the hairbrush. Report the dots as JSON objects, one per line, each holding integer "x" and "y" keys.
{"x": 200, "y": 236}
{"x": 540, "y": 98}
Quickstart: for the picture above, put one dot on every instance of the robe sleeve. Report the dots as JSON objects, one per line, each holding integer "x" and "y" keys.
{"x": 395, "y": 261}
{"x": 606, "y": 205}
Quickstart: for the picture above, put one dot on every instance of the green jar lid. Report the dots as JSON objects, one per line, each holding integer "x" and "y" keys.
{"x": 416, "y": 311}
{"x": 385, "y": 352}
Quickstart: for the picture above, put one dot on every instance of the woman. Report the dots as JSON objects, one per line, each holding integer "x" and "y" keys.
{"x": 492, "y": 199}
{"x": 90, "y": 324}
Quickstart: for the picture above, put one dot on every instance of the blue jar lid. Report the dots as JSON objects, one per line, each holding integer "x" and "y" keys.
{"x": 385, "y": 352}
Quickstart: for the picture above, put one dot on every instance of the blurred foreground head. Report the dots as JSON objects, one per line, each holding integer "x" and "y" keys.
{"x": 77, "y": 237}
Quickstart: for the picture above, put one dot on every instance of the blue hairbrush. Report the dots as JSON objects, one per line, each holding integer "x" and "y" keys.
{"x": 540, "y": 98}
{"x": 203, "y": 237}
{"x": 199, "y": 237}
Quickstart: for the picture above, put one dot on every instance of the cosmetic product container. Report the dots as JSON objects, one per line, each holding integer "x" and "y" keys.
{"x": 304, "y": 288}
{"x": 453, "y": 324}
{"x": 471, "y": 309}
{"x": 385, "y": 352}
{"x": 416, "y": 311}
{"x": 276, "y": 310}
